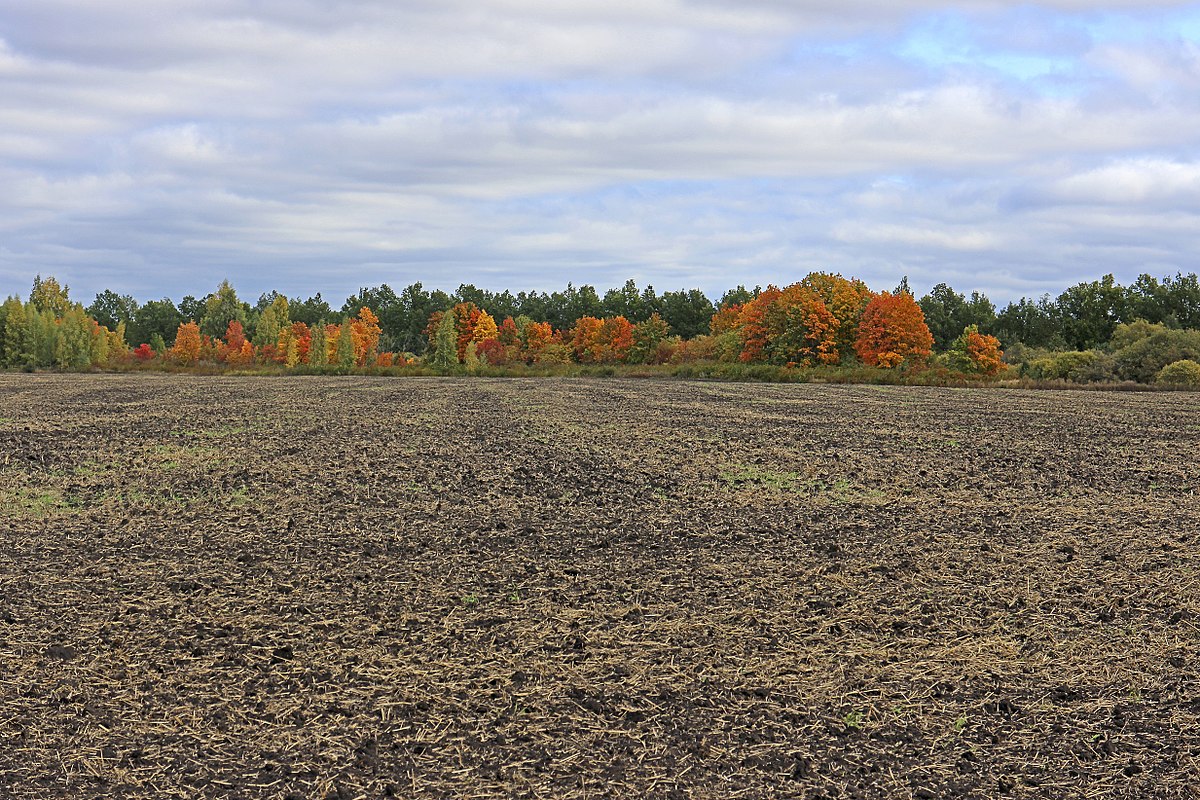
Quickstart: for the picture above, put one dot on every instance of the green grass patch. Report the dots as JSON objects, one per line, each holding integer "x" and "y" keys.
{"x": 743, "y": 476}
{"x": 22, "y": 504}
{"x": 739, "y": 475}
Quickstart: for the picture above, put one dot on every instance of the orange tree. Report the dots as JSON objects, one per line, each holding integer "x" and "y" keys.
{"x": 365, "y": 332}
{"x": 845, "y": 299}
{"x": 538, "y": 337}
{"x": 976, "y": 353}
{"x": 787, "y": 326}
{"x": 466, "y": 317}
{"x": 616, "y": 337}
{"x": 235, "y": 337}
{"x": 186, "y": 349}
{"x": 892, "y": 331}
{"x": 586, "y": 340}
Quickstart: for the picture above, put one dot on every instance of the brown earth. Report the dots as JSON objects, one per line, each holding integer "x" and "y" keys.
{"x": 424, "y": 588}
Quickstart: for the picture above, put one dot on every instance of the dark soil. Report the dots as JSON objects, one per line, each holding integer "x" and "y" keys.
{"x": 424, "y": 588}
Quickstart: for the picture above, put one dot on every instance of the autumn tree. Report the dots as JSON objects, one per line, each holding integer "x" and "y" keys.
{"x": 647, "y": 336}
{"x": 616, "y": 339}
{"x": 509, "y": 337}
{"x": 466, "y": 317}
{"x": 293, "y": 344}
{"x": 493, "y": 352}
{"x": 186, "y": 349}
{"x": 538, "y": 336}
{"x": 235, "y": 341}
{"x": 485, "y": 328}
{"x": 977, "y": 353}
{"x": 787, "y": 326}
{"x": 365, "y": 331}
{"x": 892, "y": 331}
{"x": 508, "y": 334}
{"x": 586, "y": 340}
{"x": 845, "y": 298}
{"x": 49, "y": 295}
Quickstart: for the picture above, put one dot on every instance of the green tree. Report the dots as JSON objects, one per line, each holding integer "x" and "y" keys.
{"x": 110, "y": 309}
{"x": 318, "y": 347}
{"x": 687, "y": 312}
{"x": 948, "y": 313}
{"x": 310, "y": 311}
{"x": 44, "y": 328}
{"x": 1091, "y": 311}
{"x": 626, "y": 302}
{"x": 445, "y": 343}
{"x": 221, "y": 308}
{"x": 18, "y": 337}
{"x": 1142, "y": 360}
{"x": 739, "y": 296}
{"x": 156, "y": 318}
{"x": 646, "y": 337}
{"x": 1183, "y": 300}
{"x": 344, "y": 350}
{"x": 273, "y": 319}
{"x": 48, "y": 295}
{"x": 73, "y": 340}
{"x": 1031, "y": 323}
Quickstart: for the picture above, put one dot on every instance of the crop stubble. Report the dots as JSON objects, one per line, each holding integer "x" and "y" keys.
{"x": 342, "y": 588}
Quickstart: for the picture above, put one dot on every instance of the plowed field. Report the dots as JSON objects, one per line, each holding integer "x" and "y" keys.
{"x": 424, "y": 588}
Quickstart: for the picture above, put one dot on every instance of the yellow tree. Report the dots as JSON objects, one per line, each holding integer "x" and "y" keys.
{"x": 485, "y": 328}
{"x": 186, "y": 349}
{"x": 845, "y": 299}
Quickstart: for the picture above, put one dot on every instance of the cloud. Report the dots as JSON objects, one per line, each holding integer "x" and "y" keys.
{"x": 309, "y": 145}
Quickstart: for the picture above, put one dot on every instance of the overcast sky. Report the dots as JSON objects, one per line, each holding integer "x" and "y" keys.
{"x": 157, "y": 146}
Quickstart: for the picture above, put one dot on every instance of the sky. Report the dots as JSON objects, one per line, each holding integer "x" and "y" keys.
{"x": 156, "y": 147}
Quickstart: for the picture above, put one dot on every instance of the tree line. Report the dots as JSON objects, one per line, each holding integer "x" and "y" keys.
{"x": 822, "y": 319}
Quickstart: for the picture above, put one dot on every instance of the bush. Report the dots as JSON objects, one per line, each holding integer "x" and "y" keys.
{"x": 1087, "y": 366}
{"x": 1180, "y": 373}
{"x": 1129, "y": 333}
{"x": 1142, "y": 360}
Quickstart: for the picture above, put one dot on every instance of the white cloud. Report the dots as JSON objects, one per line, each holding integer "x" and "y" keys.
{"x": 514, "y": 141}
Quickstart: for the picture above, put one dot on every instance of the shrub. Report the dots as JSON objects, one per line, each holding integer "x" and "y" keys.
{"x": 1086, "y": 366}
{"x": 1142, "y": 360}
{"x": 1180, "y": 373}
